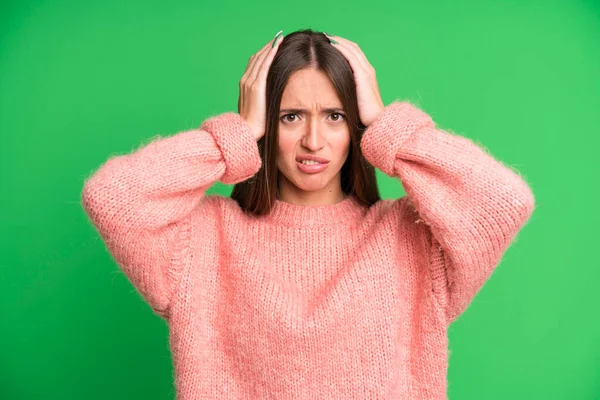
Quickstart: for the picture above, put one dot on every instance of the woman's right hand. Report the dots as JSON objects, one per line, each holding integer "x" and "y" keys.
{"x": 252, "y": 102}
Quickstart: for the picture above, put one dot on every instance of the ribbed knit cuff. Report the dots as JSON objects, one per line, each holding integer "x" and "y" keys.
{"x": 383, "y": 139}
{"x": 237, "y": 144}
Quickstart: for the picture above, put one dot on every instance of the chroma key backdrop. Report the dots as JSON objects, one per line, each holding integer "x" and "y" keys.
{"x": 81, "y": 81}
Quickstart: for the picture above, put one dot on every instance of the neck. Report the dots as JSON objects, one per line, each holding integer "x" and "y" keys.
{"x": 329, "y": 195}
{"x": 345, "y": 212}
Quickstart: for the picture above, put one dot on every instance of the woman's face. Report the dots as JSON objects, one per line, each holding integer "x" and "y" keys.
{"x": 311, "y": 122}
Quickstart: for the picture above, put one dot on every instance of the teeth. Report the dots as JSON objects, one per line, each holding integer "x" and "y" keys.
{"x": 309, "y": 162}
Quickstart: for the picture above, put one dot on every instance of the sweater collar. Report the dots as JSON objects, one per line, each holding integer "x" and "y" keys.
{"x": 345, "y": 211}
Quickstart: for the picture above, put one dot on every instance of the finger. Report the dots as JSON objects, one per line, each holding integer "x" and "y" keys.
{"x": 358, "y": 53}
{"x": 268, "y": 56}
{"x": 252, "y": 61}
{"x": 266, "y": 61}
{"x": 356, "y": 50}
{"x": 260, "y": 57}
{"x": 351, "y": 56}
{"x": 245, "y": 77}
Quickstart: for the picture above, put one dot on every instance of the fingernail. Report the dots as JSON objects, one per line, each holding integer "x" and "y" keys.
{"x": 276, "y": 38}
{"x": 330, "y": 39}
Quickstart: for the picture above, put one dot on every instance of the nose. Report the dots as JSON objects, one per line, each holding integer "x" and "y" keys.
{"x": 312, "y": 140}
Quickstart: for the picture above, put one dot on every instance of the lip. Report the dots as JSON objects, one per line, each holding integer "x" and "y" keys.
{"x": 311, "y": 169}
{"x": 313, "y": 158}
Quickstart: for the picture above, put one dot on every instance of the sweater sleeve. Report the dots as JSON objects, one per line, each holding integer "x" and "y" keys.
{"x": 472, "y": 205}
{"x": 141, "y": 203}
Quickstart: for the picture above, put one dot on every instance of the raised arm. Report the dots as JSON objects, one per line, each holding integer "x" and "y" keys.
{"x": 141, "y": 203}
{"x": 472, "y": 204}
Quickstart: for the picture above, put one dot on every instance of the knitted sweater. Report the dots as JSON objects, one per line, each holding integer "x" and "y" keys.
{"x": 340, "y": 301}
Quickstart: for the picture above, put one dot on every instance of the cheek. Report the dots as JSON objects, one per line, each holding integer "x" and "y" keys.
{"x": 286, "y": 144}
{"x": 285, "y": 148}
{"x": 339, "y": 146}
{"x": 342, "y": 146}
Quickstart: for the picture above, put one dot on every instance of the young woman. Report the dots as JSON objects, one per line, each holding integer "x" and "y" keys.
{"x": 304, "y": 284}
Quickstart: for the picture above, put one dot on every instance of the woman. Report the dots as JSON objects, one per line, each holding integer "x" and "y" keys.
{"x": 304, "y": 284}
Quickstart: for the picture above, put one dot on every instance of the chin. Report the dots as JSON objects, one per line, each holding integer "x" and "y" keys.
{"x": 307, "y": 182}
{"x": 310, "y": 187}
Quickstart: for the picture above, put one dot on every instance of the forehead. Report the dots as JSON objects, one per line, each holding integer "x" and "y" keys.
{"x": 309, "y": 88}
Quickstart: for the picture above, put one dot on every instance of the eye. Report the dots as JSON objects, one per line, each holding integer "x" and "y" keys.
{"x": 340, "y": 116}
{"x": 284, "y": 118}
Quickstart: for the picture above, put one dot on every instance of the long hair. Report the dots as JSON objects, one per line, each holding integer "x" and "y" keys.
{"x": 299, "y": 50}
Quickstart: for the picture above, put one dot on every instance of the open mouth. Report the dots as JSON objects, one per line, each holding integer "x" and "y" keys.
{"x": 310, "y": 166}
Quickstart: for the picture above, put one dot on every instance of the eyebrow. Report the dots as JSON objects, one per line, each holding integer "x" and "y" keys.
{"x": 301, "y": 110}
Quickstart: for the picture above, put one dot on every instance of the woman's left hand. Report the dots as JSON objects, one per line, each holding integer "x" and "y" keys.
{"x": 369, "y": 100}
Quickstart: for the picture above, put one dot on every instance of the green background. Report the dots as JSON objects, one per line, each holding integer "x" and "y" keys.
{"x": 80, "y": 81}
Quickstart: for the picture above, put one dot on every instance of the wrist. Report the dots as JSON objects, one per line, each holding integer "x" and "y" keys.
{"x": 256, "y": 132}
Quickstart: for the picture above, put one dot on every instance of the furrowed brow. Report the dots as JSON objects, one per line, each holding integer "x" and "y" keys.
{"x": 302, "y": 111}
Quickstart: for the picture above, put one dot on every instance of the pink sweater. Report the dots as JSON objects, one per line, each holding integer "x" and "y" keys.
{"x": 309, "y": 302}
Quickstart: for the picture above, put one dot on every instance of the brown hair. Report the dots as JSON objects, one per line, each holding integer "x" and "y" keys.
{"x": 298, "y": 50}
